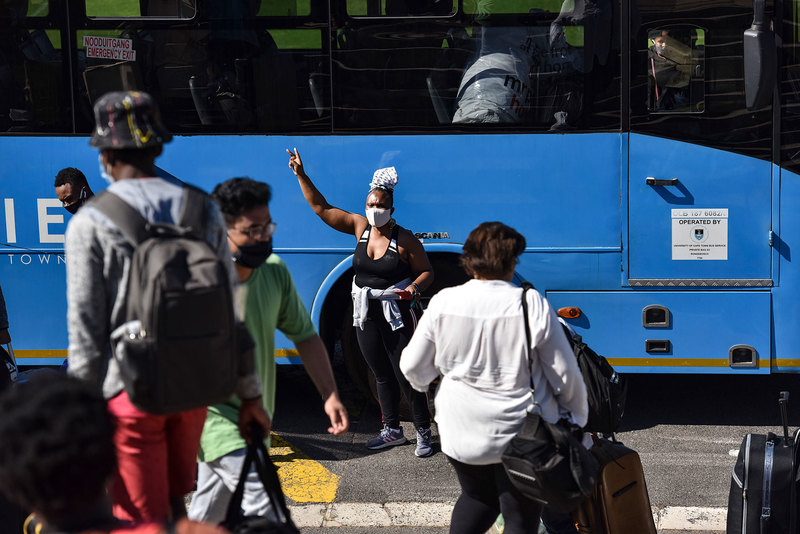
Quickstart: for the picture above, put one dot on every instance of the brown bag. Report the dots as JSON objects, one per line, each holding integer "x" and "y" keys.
{"x": 619, "y": 503}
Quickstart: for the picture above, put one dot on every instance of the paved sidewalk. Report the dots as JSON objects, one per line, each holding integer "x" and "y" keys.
{"x": 435, "y": 517}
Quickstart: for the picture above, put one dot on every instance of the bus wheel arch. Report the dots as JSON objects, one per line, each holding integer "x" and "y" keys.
{"x": 336, "y": 321}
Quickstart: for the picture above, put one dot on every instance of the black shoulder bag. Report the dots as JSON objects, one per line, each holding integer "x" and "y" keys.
{"x": 235, "y": 521}
{"x": 547, "y": 462}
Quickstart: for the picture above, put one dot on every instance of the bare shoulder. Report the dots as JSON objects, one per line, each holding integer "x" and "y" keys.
{"x": 359, "y": 225}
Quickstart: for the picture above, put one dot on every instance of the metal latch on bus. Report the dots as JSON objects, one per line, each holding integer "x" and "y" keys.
{"x": 654, "y": 181}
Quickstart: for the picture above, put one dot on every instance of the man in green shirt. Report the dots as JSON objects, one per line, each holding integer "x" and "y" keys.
{"x": 267, "y": 299}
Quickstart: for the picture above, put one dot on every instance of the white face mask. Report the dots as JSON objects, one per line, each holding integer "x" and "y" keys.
{"x": 660, "y": 48}
{"x": 377, "y": 217}
{"x": 104, "y": 170}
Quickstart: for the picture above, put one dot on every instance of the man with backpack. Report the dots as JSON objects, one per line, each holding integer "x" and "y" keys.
{"x": 156, "y": 357}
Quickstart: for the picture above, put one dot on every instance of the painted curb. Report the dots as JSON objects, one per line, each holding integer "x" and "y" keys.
{"x": 426, "y": 514}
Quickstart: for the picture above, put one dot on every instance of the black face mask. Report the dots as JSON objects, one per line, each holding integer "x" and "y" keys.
{"x": 252, "y": 256}
{"x": 75, "y": 206}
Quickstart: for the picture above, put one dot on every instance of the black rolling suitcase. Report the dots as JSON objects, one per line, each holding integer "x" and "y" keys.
{"x": 763, "y": 495}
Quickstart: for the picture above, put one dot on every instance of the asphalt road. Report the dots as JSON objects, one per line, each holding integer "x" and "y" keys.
{"x": 683, "y": 426}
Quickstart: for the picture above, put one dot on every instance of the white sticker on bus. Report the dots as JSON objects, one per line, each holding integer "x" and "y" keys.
{"x": 700, "y": 234}
{"x": 109, "y": 48}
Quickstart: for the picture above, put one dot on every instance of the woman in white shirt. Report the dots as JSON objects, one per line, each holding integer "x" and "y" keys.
{"x": 473, "y": 336}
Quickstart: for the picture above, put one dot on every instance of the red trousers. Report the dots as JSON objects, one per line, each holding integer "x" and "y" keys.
{"x": 156, "y": 459}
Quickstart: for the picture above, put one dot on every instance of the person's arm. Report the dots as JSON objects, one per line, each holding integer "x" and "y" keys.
{"x": 419, "y": 263}
{"x": 88, "y": 316}
{"x": 336, "y": 218}
{"x": 318, "y": 366}
{"x": 5, "y": 337}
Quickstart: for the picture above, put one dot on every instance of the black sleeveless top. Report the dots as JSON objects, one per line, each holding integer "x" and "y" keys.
{"x": 383, "y": 272}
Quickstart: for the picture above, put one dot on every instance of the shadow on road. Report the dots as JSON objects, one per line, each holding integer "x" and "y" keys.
{"x": 733, "y": 400}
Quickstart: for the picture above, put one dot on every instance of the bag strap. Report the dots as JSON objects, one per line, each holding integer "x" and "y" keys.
{"x": 136, "y": 228}
{"x": 132, "y": 224}
{"x": 257, "y": 454}
{"x": 525, "y": 287}
{"x": 195, "y": 205}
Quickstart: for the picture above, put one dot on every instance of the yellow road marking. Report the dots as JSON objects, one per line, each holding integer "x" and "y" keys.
{"x": 302, "y": 479}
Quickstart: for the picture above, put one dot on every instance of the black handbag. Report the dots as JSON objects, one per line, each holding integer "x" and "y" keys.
{"x": 547, "y": 462}
{"x": 235, "y": 520}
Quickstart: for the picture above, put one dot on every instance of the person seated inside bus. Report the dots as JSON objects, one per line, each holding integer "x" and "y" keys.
{"x": 521, "y": 74}
{"x": 669, "y": 65}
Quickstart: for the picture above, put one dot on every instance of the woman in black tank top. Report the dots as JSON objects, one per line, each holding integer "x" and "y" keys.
{"x": 387, "y": 257}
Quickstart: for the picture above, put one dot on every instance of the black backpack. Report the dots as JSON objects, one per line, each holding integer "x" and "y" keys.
{"x": 605, "y": 388}
{"x": 179, "y": 346}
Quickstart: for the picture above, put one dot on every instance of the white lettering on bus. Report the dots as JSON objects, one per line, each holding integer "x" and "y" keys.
{"x": 11, "y": 224}
{"x": 46, "y": 219}
{"x": 44, "y": 259}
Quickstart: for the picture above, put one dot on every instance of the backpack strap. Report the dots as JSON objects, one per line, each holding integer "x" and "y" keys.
{"x": 193, "y": 211}
{"x": 132, "y": 224}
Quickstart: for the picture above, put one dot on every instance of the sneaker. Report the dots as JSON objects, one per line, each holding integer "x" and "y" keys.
{"x": 424, "y": 448}
{"x": 389, "y": 437}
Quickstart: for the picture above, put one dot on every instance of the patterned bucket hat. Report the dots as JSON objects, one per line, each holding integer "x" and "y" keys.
{"x": 128, "y": 119}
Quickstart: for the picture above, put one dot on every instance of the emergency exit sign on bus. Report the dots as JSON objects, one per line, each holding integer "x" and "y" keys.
{"x": 109, "y": 48}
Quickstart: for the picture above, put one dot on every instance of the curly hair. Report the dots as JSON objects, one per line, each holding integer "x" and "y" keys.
{"x": 72, "y": 176}
{"x": 491, "y": 250}
{"x": 238, "y": 195}
{"x": 56, "y": 446}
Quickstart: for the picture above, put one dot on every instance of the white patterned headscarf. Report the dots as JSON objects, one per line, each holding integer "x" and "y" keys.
{"x": 385, "y": 178}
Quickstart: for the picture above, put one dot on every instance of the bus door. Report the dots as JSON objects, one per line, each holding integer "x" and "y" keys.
{"x": 699, "y": 176}
{"x": 699, "y": 192}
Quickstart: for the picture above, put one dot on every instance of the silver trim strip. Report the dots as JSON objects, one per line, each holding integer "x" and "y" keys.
{"x": 699, "y": 282}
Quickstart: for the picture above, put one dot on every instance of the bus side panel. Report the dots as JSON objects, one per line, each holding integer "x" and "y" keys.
{"x": 35, "y": 294}
{"x": 700, "y": 330}
{"x": 32, "y": 266}
{"x": 786, "y": 306}
{"x": 560, "y": 191}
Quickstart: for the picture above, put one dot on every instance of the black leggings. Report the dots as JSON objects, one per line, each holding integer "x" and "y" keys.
{"x": 381, "y": 348}
{"x": 487, "y": 492}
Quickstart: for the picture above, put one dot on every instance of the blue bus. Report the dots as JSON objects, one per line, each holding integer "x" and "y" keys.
{"x": 649, "y": 150}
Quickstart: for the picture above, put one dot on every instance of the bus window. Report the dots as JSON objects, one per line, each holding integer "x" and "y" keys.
{"x": 790, "y": 87}
{"x": 675, "y": 70}
{"x": 702, "y": 100}
{"x": 399, "y": 8}
{"x": 540, "y": 64}
{"x": 177, "y": 9}
{"x": 234, "y": 73}
{"x": 285, "y": 8}
{"x": 34, "y": 93}
{"x": 38, "y": 8}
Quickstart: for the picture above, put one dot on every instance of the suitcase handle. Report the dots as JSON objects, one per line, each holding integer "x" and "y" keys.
{"x": 783, "y": 400}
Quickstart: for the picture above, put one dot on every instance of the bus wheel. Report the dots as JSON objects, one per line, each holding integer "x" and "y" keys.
{"x": 358, "y": 369}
